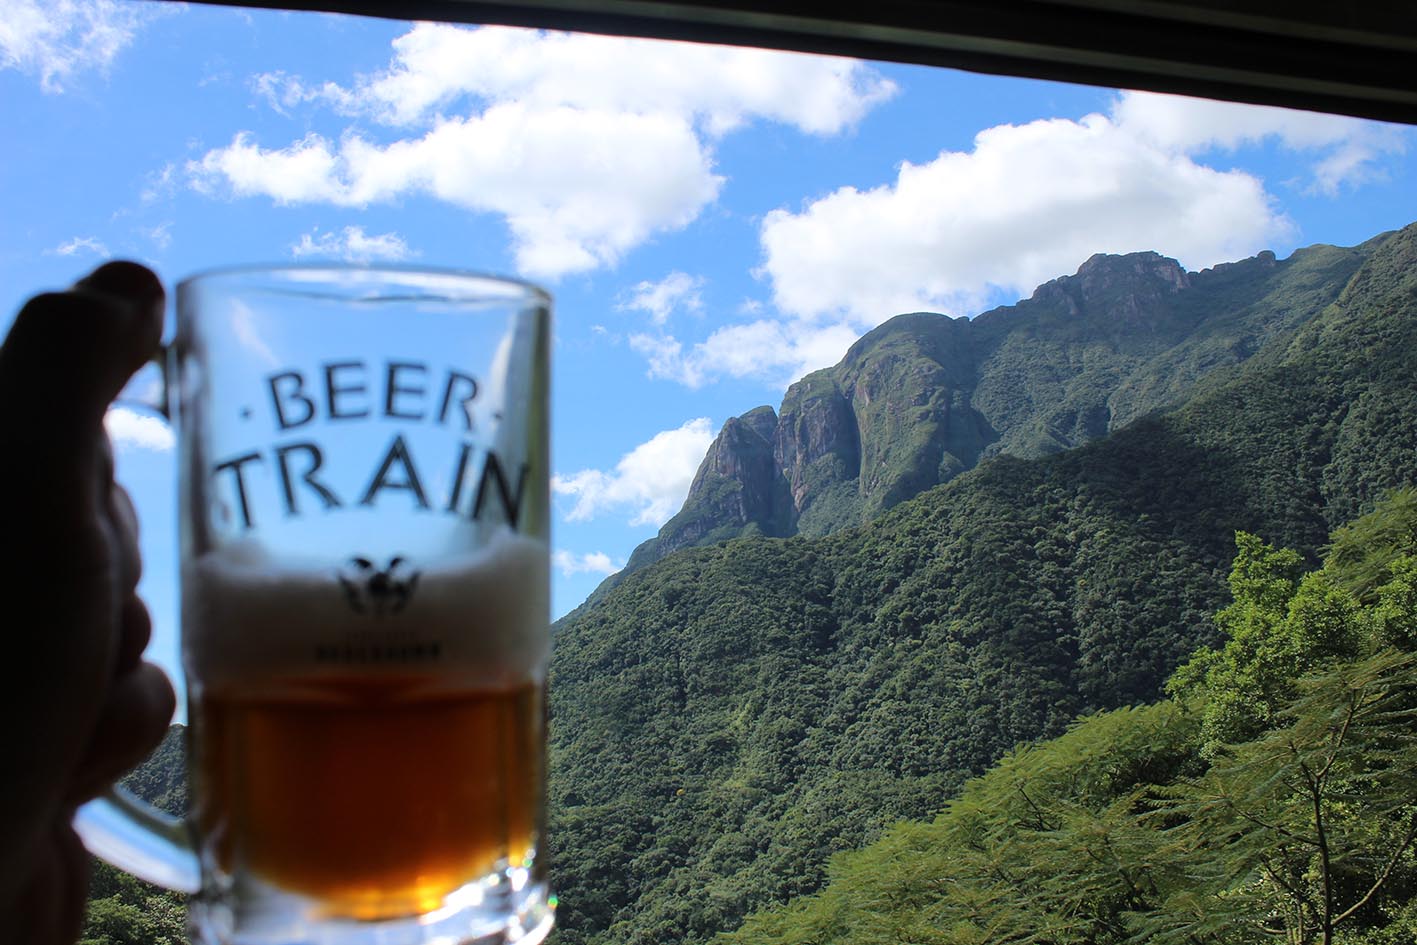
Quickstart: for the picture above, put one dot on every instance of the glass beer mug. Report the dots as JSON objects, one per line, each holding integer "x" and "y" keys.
{"x": 364, "y": 503}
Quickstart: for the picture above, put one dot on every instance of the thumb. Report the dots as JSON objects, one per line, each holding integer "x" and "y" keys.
{"x": 66, "y": 357}
{"x": 70, "y": 353}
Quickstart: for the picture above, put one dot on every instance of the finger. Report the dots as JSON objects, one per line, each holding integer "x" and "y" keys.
{"x": 73, "y": 891}
{"x": 125, "y": 534}
{"x": 77, "y": 349}
{"x": 140, "y": 288}
{"x": 105, "y": 467}
{"x": 134, "y": 631}
{"x": 125, "y": 513}
{"x": 49, "y": 909}
{"x": 132, "y": 722}
{"x": 66, "y": 356}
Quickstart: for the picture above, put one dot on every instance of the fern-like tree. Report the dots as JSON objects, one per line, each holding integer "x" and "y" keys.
{"x": 1299, "y": 832}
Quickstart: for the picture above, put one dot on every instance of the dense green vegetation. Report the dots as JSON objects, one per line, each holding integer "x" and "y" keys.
{"x": 127, "y": 911}
{"x": 1272, "y": 798}
{"x": 727, "y": 719}
{"x": 124, "y": 910}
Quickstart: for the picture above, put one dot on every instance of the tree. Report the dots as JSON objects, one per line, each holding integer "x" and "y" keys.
{"x": 1279, "y": 626}
{"x": 1300, "y": 831}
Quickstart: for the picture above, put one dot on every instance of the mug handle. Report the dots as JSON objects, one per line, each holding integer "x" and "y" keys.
{"x": 137, "y": 837}
{"x": 117, "y": 826}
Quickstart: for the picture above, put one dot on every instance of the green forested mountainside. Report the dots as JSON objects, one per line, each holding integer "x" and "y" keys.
{"x": 161, "y": 780}
{"x": 1272, "y": 798}
{"x": 123, "y": 910}
{"x": 725, "y": 720}
{"x": 924, "y": 397}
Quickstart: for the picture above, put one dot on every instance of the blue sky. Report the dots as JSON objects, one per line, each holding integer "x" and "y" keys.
{"x": 712, "y": 222}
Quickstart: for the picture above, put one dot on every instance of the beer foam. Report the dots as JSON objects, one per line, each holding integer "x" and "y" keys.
{"x": 478, "y": 619}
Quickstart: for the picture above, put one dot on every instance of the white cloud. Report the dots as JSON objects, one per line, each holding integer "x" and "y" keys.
{"x": 586, "y": 145}
{"x": 352, "y": 244}
{"x": 86, "y": 244}
{"x": 161, "y": 235}
{"x": 56, "y": 40}
{"x": 660, "y": 299}
{"x": 718, "y": 87}
{"x": 1032, "y": 202}
{"x": 592, "y": 562}
{"x": 160, "y": 184}
{"x": 1029, "y": 203}
{"x": 284, "y": 92}
{"x": 665, "y": 355}
{"x": 306, "y": 171}
{"x": 246, "y": 326}
{"x": 577, "y": 188}
{"x": 140, "y": 431}
{"x": 1346, "y": 149}
{"x": 650, "y": 481}
{"x": 778, "y": 352}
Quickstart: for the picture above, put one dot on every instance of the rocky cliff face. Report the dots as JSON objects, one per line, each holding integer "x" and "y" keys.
{"x": 817, "y": 439}
{"x": 739, "y": 488}
{"x": 739, "y": 480}
{"x": 925, "y": 397}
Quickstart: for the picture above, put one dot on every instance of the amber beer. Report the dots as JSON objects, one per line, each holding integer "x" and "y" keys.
{"x": 373, "y": 764}
{"x": 372, "y": 797}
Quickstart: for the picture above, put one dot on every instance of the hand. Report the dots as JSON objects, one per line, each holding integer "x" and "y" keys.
{"x": 80, "y": 706}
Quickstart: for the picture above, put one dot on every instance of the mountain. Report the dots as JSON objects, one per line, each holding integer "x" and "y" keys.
{"x": 925, "y": 397}
{"x": 728, "y": 717}
{"x": 161, "y": 779}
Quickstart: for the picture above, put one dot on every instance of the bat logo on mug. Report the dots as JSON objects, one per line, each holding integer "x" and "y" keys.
{"x": 370, "y": 589}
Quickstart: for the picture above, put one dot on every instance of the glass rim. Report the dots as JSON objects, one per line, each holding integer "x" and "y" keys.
{"x": 447, "y": 275}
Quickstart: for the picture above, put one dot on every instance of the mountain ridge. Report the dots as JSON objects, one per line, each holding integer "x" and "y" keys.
{"x": 924, "y": 397}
